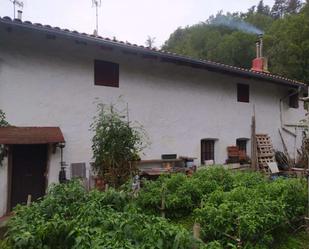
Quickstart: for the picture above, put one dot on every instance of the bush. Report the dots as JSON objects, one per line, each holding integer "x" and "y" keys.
{"x": 69, "y": 218}
{"x": 250, "y": 216}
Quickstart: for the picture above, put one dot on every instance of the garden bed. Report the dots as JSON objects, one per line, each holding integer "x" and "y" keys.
{"x": 234, "y": 209}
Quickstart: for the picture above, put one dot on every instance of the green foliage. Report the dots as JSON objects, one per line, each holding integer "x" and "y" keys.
{"x": 3, "y": 123}
{"x": 286, "y": 28}
{"x": 235, "y": 210}
{"x": 68, "y": 217}
{"x": 183, "y": 194}
{"x": 287, "y": 45}
{"x": 116, "y": 144}
{"x": 249, "y": 216}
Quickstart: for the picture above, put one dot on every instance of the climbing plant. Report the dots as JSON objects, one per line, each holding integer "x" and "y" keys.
{"x": 116, "y": 144}
{"x": 3, "y": 123}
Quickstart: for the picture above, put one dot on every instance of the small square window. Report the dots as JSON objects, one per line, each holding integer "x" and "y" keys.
{"x": 243, "y": 93}
{"x": 106, "y": 73}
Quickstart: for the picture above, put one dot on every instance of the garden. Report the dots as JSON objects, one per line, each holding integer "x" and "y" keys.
{"x": 233, "y": 209}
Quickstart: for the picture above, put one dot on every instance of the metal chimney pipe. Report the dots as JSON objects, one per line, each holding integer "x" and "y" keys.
{"x": 258, "y": 49}
{"x": 261, "y": 45}
{"x": 19, "y": 14}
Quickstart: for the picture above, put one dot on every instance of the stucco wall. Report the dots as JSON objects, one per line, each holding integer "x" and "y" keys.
{"x": 52, "y": 85}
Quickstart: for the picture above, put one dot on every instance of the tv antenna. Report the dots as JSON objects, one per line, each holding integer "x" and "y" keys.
{"x": 97, "y": 4}
{"x": 17, "y": 3}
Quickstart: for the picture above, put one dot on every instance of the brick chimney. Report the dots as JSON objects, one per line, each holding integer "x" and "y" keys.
{"x": 260, "y": 63}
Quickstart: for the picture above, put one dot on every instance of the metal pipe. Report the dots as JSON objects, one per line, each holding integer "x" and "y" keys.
{"x": 257, "y": 49}
{"x": 261, "y": 46}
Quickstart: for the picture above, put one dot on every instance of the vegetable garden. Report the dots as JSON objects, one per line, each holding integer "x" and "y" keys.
{"x": 235, "y": 210}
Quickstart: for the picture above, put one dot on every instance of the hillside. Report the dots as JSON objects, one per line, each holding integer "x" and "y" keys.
{"x": 230, "y": 38}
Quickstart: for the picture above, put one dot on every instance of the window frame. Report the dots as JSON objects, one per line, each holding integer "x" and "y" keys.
{"x": 240, "y": 142}
{"x": 207, "y": 151}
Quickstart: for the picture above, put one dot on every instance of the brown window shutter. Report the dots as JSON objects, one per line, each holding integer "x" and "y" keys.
{"x": 243, "y": 93}
{"x": 106, "y": 73}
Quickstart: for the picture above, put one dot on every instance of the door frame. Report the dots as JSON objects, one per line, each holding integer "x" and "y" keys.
{"x": 10, "y": 170}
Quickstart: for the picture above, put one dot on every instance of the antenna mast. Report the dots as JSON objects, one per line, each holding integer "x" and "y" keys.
{"x": 97, "y": 5}
{"x": 18, "y": 3}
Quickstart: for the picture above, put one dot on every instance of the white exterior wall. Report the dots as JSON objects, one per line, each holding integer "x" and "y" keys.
{"x": 50, "y": 83}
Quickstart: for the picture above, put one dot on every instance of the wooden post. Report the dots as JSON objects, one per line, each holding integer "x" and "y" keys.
{"x": 285, "y": 149}
{"x": 254, "y": 159}
{"x": 106, "y": 187}
{"x": 29, "y": 200}
{"x": 196, "y": 230}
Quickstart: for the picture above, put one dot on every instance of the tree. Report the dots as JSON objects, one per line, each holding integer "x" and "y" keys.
{"x": 278, "y": 9}
{"x": 263, "y": 9}
{"x": 218, "y": 39}
{"x": 287, "y": 45}
{"x": 293, "y": 6}
{"x": 116, "y": 144}
{"x": 150, "y": 41}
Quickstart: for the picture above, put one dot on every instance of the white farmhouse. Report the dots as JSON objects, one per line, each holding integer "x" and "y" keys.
{"x": 51, "y": 80}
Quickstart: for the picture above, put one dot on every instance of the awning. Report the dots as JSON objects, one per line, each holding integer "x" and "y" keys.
{"x": 30, "y": 135}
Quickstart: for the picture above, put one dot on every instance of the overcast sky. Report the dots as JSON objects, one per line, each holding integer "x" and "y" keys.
{"x": 128, "y": 20}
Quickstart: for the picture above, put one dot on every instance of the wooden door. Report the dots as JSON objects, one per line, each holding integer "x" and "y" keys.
{"x": 28, "y": 172}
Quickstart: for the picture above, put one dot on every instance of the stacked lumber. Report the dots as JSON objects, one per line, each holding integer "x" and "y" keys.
{"x": 265, "y": 151}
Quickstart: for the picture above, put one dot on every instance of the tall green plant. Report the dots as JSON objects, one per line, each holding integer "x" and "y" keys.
{"x": 116, "y": 144}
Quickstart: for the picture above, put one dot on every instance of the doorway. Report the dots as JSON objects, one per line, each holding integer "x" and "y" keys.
{"x": 28, "y": 168}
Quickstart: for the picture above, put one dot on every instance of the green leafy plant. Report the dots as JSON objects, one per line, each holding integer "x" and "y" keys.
{"x": 3, "y": 123}
{"x": 117, "y": 144}
{"x": 249, "y": 217}
{"x": 70, "y": 218}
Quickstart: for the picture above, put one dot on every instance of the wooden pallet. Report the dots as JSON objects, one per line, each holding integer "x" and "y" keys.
{"x": 265, "y": 151}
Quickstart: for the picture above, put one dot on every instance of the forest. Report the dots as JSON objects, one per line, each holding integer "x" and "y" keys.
{"x": 229, "y": 38}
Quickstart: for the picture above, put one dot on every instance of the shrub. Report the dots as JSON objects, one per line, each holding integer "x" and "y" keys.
{"x": 249, "y": 216}
{"x": 69, "y": 218}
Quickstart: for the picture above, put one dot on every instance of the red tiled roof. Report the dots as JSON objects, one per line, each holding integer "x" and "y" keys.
{"x": 30, "y": 135}
{"x": 168, "y": 56}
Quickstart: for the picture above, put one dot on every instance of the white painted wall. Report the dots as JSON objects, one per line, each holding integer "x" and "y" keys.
{"x": 50, "y": 83}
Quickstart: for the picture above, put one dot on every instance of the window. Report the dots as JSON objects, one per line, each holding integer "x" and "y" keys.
{"x": 243, "y": 93}
{"x": 207, "y": 150}
{"x": 242, "y": 144}
{"x": 106, "y": 73}
{"x": 293, "y": 99}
